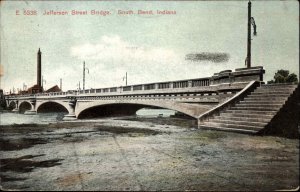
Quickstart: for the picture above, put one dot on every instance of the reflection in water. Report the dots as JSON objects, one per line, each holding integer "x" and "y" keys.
{"x": 45, "y": 118}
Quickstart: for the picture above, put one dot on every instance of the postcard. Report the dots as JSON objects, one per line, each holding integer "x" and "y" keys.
{"x": 154, "y": 95}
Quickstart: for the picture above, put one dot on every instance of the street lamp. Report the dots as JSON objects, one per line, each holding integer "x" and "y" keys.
{"x": 84, "y": 68}
{"x": 78, "y": 86}
{"x": 43, "y": 80}
{"x": 125, "y": 78}
{"x": 250, "y": 22}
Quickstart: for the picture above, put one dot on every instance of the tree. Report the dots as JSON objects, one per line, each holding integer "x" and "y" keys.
{"x": 283, "y": 76}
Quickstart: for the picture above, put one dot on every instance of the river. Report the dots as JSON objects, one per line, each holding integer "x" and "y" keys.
{"x": 9, "y": 118}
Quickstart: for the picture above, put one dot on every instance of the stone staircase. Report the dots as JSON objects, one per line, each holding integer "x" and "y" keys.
{"x": 253, "y": 112}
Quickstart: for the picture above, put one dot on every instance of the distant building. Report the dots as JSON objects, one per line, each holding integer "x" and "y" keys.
{"x": 54, "y": 89}
{"x": 35, "y": 89}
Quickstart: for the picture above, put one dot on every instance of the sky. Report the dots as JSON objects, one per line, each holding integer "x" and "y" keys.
{"x": 150, "y": 48}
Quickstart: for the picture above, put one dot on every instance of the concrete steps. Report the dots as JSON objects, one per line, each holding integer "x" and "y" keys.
{"x": 270, "y": 88}
{"x": 269, "y": 95}
{"x": 251, "y": 112}
{"x": 248, "y": 118}
{"x": 258, "y": 108}
{"x": 262, "y": 98}
{"x": 258, "y": 105}
{"x": 263, "y": 90}
{"x": 268, "y": 102}
{"x": 277, "y": 86}
{"x": 254, "y": 112}
{"x": 245, "y": 122}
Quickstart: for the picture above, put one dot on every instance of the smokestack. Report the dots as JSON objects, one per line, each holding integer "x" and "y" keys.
{"x": 39, "y": 68}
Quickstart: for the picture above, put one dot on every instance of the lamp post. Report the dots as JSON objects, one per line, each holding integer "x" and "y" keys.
{"x": 78, "y": 86}
{"x": 250, "y": 21}
{"x": 43, "y": 81}
{"x": 24, "y": 87}
{"x": 125, "y": 78}
{"x": 84, "y": 68}
{"x": 60, "y": 84}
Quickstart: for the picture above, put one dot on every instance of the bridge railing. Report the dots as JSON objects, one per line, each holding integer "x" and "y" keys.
{"x": 161, "y": 87}
{"x": 200, "y": 82}
{"x": 223, "y": 77}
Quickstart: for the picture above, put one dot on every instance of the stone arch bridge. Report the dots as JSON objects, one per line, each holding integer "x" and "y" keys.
{"x": 192, "y": 97}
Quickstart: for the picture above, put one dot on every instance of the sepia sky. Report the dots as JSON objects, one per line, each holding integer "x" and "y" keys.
{"x": 149, "y": 47}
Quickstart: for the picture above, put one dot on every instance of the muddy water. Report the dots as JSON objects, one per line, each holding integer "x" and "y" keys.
{"x": 45, "y": 118}
{"x": 136, "y": 153}
{"x": 40, "y": 118}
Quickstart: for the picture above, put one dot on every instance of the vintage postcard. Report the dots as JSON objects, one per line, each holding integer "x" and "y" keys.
{"x": 128, "y": 95}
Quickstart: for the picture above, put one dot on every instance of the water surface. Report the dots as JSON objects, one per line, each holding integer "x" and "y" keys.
{"x": 9, "y": 118}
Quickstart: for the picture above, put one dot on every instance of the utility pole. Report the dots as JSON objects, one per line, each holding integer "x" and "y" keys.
{"x": 83, "y": 75}
{"x": 250, "y": 21}
{"x": 24, "y": 87}
{"x": 83, "y": 83}
{"x": 43, "y": 80}
{"x": 126, "y": 78}
{"x": 60, "y": 84}
{"x": 39, "y": 68}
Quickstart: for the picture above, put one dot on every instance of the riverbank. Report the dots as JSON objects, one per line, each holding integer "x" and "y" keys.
{"x": 143, "y": 154}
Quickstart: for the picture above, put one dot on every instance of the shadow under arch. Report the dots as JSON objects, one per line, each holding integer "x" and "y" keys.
{"x": 114, "y": 110}
{"x": 50, "y": 107}
{"x": 12, "y": 105}
{"x": 24, "y": 106}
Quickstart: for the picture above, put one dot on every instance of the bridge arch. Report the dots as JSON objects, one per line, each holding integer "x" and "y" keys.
{"x": 114, "y": 109}
{"x": 52, "y": 106}
{"x": 25, "y": 106}
{"x": 130, "y": 107}
{"x": 12, "y": 105}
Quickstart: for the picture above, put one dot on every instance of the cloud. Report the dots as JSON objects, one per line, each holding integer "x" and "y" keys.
{"x": 116, "y": 51}
{"x": 111, "y": 57}
{"x": 213, "y": 57}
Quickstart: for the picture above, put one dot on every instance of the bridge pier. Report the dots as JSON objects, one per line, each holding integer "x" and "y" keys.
{"x": 16, "y": 109}
{"x": 30, "y": 112}
{"x": 71, "y": 115}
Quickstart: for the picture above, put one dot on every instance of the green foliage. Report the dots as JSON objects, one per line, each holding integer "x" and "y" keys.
{"x": 292, "y": 78}
{"x": 283, "y": 76}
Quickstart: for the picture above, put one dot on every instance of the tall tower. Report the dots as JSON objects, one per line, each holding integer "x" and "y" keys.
{"x": 39, "y": 68}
